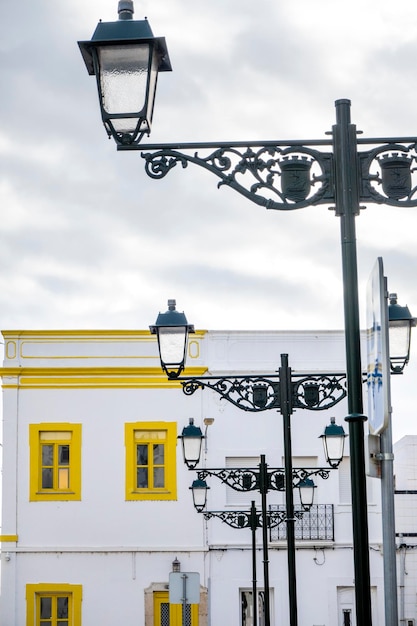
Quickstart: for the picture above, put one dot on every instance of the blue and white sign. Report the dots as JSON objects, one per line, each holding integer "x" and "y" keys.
{"x": 378, "y": 369}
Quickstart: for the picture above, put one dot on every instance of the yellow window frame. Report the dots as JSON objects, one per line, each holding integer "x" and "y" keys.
{"x": 34, "y": 592}
{"x": 55, "y": 434}
{"x": 151, "y": 433}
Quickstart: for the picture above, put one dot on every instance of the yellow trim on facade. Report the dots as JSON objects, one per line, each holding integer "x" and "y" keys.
{"x": 33, "y": 591}
{"x": 6, "y": 538}
{"x": 38, "y": 494}
{"x": 91, "y": 377}
{"x": 17, "y": 334}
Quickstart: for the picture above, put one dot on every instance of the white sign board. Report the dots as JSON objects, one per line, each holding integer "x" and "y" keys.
{"x": 184, "y": 587}
{"x": 378, "y": 369}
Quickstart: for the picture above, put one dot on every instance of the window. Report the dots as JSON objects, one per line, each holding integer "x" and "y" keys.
{"x": 247, "y": 609}
{"x": 53, "y": 605}
{"x": 55, "y": 461}
{"x": 151, "y": 461}
{"x": 242, "y": 498}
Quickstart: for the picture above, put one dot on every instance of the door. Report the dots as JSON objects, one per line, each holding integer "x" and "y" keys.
{"x": 166, "y": 614}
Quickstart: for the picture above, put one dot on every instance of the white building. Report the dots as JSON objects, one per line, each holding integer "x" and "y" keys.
{"x": 92, "y": 524}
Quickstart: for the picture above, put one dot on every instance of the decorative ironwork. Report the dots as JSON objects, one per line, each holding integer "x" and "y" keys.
{"x": 387, "y": 174}
{"x": 293, "y": 175}
{"x": 273, "y": 175}
{"x": 249, "y": 479}
{"x": 315, "y": 524}
{"x": 261, "y": 393}
{"x": 246, "y": 519}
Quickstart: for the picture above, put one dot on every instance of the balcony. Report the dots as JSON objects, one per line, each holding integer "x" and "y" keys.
{"x": 317, "y": 524}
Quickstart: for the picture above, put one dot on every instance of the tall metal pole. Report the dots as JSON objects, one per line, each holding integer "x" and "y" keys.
{"x": 387, "y": 496}
{"x": 347, "y": 207}
{"x": 286, "y": 410}
{"x": 253, "y": 526}
{"x": 263, "y": 487}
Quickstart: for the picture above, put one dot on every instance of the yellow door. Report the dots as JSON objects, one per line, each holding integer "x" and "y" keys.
{"x": 166, "y": 614}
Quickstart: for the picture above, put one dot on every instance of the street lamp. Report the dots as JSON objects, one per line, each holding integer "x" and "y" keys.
{"x": 263, "y": 479}
{"x": 199, "y": 491}
{"x": 192, "y": 438}
{"x": 125, "y": 57}
{"x": 287, "y": 175}
{"x": 400, "y": 323}
{"x": 333, "y": 443}
{"x": 171, "y": 329}
{"x": 306, "y": 489}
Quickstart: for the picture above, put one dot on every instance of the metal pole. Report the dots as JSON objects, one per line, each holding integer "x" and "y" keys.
{"x": 253, "y": 526}
{"x": 388, "y": 527}
{"x": 286, "y": 410}
{"x": 387, "y": 499}
{"x": 347, "y": 206}
{"x": 263, "y": 475}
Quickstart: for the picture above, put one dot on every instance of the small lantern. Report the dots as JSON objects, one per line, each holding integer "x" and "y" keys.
{"x": 199, "y": 489}
{"x": 333, "y": 443}
{"x": 192, "y": 438}
{"x": 306, "y": 489}
{"x": 399, "y": 328}
{"x": 171, "y": 329}
{"x": 176, "y": 565}
{"x": 125, "y": 57}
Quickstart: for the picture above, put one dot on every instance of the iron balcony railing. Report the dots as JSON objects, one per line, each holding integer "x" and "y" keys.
{"x": 315, "y": 524}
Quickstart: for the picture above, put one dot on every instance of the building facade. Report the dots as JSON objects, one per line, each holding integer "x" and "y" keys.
{"x": 96, "y": 498}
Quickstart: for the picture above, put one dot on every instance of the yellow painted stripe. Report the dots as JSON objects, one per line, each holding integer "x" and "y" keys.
{"x": 56, "y": 334}
{"x": 79, "y": 377}
{"x": 4, "y": 538}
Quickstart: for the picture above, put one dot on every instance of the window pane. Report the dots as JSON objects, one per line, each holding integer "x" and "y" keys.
{"x": 63, "y": 479}
{"x": 142, "y": 478}
{"x": 63, "y": 455}
{"x": 150, "y": 435}
{"x": 47, "y": 455}
{"x": 142, "y": 454}
{"x": 46, "y": 608}
{"x": 59, "y": 435}
{"x": 159, "y": 477}
{"x": 158, "y": 454}
{"x": 47, "y": 478}
{"x": 62, "y": 607}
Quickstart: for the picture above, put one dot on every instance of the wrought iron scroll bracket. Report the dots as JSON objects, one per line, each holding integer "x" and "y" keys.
{"x": 293, "y": 175}
{"x": 316, "y": 392}
{"x": 248, "y": 479}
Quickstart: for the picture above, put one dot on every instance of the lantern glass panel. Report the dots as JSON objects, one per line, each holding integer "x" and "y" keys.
{"x": 124, "y": 73}
{"x": 172, "y": 343}
{"x": 191, "y": 450}
{"x": 334, "y": 446}
{"x": 199, "y": 496}
{"x": 399, "y": 339}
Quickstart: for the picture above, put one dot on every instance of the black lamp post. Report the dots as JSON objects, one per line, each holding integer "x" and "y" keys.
{"x": 287, "y": 175}
{"x": 261, "y": 479}
{"x": 284, "y": 392}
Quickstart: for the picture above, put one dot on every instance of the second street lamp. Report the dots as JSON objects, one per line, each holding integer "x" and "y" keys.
{"x": 285, "y": 392}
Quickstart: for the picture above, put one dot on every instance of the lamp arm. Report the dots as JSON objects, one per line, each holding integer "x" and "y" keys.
{"x": 262, "y": 392}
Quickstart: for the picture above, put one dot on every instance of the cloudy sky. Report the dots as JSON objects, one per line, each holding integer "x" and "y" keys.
{"x": 88, "y": 240}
